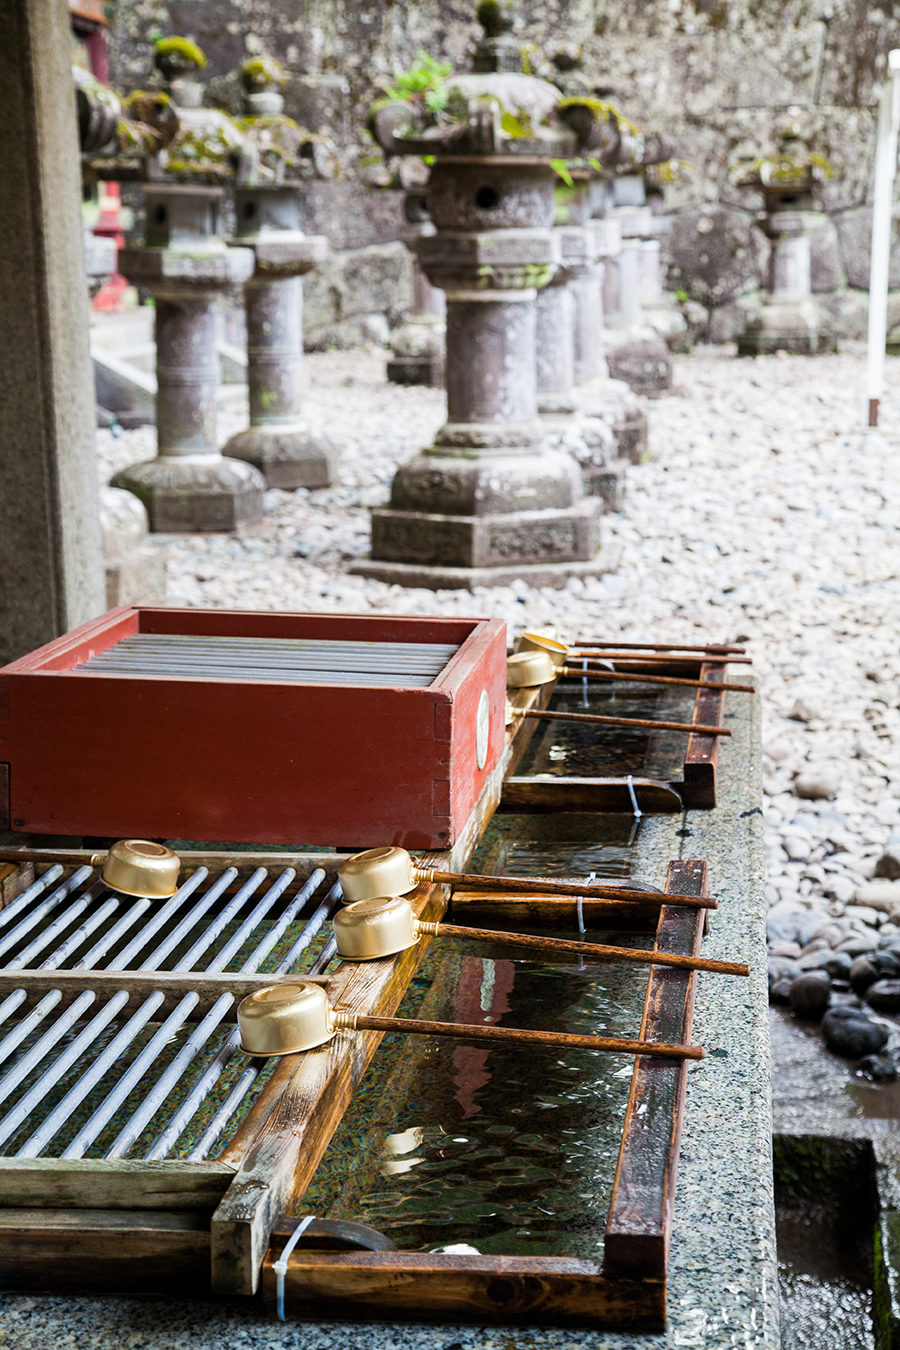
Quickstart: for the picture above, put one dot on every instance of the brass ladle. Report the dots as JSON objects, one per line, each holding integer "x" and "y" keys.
{"x": 559, "y": 655}
{"x": 391, "y": 871}
{"x": 369, "y": 930}
{"x": 525, "y": 670}
{"x": 283, "y": 1019}
{"x": 131, "y": 866}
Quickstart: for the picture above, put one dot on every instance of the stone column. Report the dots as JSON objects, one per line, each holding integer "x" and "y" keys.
{"x": 635, "y": 351}
{"x": 51, "y": 561}
{"x": 418, "y": 344}
{"x": 486, "y": 503}
{"x": 189, "y": 486}
{"x": 279, "y": 441}
{"x": 569, "y": 427}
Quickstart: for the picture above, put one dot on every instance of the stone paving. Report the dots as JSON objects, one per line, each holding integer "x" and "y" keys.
{"x": 767, "y": 514}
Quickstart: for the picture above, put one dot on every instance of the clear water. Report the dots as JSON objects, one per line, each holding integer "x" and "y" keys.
{"x": 570, "y": 749}
{"x": 560, "y": 845}
{"x": 825, "y": 1284}
{"x": 509, "y": 1149}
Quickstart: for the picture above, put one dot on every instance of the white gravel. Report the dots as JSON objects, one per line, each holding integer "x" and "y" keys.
{"x": 768, "y": 514}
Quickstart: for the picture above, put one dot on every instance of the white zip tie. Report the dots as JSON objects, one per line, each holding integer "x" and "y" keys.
{"x": 280, "y": 1266}
{"x": 634, "y": 801}
{"x": 579, "y": 905}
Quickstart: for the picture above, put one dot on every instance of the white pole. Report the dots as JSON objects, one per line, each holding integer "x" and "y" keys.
{"x": 885, "y": 168}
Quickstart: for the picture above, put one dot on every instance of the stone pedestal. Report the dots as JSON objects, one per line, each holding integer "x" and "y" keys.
{"x": 487, "y": 496}
{"x": 418, "y": 345}
{"x": 189, "y": 486}
{"x": 790, "y": 320}
{"x": 279, "y": 442}
{"x": 135, "y": 568}
{"x": 51, "y": 563}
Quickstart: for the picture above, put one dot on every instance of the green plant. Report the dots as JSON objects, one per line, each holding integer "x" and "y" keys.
{"x": 424, "y": 84}
{"x": 561, "y": 168}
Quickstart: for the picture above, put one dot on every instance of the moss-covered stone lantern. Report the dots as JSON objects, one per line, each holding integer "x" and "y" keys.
{"x": 789, "y": 319}
{"x": 488, "y": 501}
{"x": 186, "y": 266}
{"x": 278, "y": 441}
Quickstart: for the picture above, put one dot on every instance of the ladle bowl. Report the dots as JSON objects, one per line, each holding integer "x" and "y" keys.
{"x": 282, "y": 1019}
{"x": 369, "y": 929}
{"x": 377, "y": 872}
{"x": 539, "y": 642}
{"x": 525, "y": 670}
{"x": 140, "y": 867}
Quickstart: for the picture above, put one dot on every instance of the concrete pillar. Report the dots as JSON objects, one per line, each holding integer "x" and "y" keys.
{"x": 279, "y": 442}
{"x": 51, "y": 560}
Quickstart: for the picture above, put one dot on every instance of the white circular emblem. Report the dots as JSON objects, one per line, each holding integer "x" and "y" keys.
{"x": 482, "y": 729}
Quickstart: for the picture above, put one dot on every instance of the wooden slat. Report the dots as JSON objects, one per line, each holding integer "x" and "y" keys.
{"x": 90, "y": 1250}
{"x": 639, "y": 1219}
{"x": 140, "y": 984}
{"x": 515, "y": 912}
{"x": 63, "y": 1183}
{"x": 484, "y": 1288}
{"x": 590, "y": 794}
{"x": 702, "y": 755}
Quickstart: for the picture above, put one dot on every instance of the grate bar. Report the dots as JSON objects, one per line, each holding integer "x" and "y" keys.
{"x": 214, "y": 1071}
{"x": 173, "y": 1073}
{"x": 301, "y": 660}
{"x": 34, "y": 916}
{"x": 76, "y": 1094}
{"x": 135, "y": 1024}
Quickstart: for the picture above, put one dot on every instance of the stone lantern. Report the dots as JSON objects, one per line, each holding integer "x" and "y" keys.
{"x": 279, "y": 442}
{"x": 417, "y": 347}
{"x": 185, "y": 266}
{"x": 488, "y": 502}
{"x": 570, "y": 334}
{"x": 789, "y": 320}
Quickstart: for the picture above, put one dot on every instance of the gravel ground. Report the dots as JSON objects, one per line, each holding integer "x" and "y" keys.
{"x": 767, "y": 515}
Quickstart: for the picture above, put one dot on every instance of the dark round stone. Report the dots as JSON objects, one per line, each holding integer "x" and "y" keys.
{"x": 863, "y": 972}
{"x": 780, "y": 991}
{"x": 809, "y": 994}
{"x": 880, "y": 1067}
{"x": 837, "y": 965}
{"x": 849, "y": 1032}
{"x": 782, "y": 968}
{"x": 884, "y": 995}
{"x": 887, "y": 964}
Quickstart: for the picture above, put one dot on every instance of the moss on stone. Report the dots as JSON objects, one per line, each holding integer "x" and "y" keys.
{"x": 176, "y": 55}
{"x": 262, "y": 72}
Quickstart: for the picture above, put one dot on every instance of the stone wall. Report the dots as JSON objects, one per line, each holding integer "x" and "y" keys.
{"x": 717, "y": 75}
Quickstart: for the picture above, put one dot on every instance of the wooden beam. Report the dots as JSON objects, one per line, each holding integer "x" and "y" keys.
{"x": 484, "y": 1288}
{"x": 280, "y": 1142}
{"x": 516, "y": 912}
{"x": 89, "y": 1184}
{"x": 639, "y": 1219}
{"x": 590, "y": 794}
{"x": 119, "y": 1251}
{"x": 702, "y": 755}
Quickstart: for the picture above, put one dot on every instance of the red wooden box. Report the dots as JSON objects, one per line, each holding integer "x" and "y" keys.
{"x": 233, "y": 757}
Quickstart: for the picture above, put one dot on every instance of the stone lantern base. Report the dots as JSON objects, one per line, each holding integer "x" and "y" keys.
{"x": 441, "y": 578}
{"x": 418, "y": 352}
{"x": 788, "y": 325}
{"x": 195, "y": 494}
{"x": 641, "y": 358}
{"x": 288, "y": 456}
